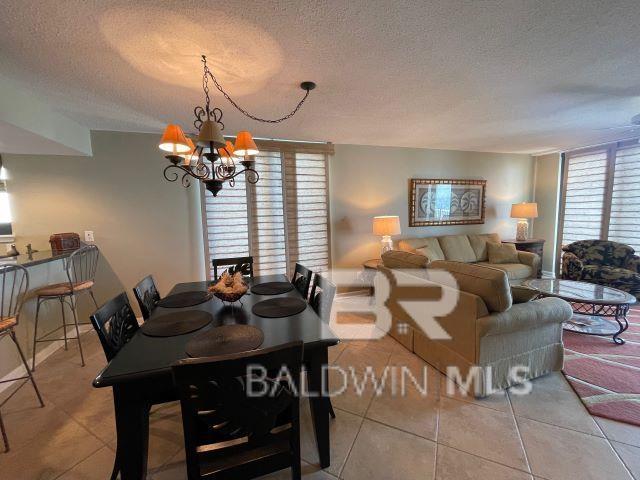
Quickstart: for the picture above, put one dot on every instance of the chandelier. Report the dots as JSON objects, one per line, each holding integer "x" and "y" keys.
{"x": 212, "y": 159}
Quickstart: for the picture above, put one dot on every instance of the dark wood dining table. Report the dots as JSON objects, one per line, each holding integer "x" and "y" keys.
{"x": 140, "y": 374}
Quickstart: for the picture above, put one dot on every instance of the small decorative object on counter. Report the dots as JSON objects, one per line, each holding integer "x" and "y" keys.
{"x": 64, "y": 242}
{"x": 13, "y": 252}
{"x": 230, "y": 288}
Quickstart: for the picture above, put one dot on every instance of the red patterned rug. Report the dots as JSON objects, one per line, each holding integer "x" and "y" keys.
{"x": 606, "y": 376}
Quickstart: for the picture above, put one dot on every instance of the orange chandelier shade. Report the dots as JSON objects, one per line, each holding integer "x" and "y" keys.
{"x": 245, "y": 146}
{"x": 173, "y": 140}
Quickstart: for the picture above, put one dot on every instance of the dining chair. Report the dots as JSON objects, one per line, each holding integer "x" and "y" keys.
{"x": 235, "y": 264}
{"x": 14, "y": 284}
{"x": 230, "y": 430}
{"x": 147, "y": 295}
{"x": 302, "y": 280}
{"x": 321, "y": 300}
{"x": 115, "y": 323}
{"x": 81, "y": 271}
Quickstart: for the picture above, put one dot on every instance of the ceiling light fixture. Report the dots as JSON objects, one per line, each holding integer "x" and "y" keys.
{"x": 189, "y": 159}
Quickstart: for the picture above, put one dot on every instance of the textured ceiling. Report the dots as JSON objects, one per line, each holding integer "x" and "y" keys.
{"x": 505, "y": 76}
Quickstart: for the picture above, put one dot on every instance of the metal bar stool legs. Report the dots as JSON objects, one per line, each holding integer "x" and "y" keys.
{"x": 73, "y": 306}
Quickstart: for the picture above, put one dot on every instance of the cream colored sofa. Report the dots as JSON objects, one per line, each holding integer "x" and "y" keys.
{"x": 467, "y": 249}
{"x": 488, "y": 331}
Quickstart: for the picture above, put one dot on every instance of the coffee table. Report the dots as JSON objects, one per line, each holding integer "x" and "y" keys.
{"x": 597, "y": 310}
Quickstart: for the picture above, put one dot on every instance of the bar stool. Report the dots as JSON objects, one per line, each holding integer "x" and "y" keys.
{"x": 14, "y": 283}
{"x": 81, "y": 271}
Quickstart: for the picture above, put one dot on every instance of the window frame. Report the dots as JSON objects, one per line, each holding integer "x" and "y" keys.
{"x": 283, "y": 147}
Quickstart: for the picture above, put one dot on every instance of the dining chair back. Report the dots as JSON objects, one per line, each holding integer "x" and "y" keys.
{"x": 115, "y": 324}
{"x": 14, "y": 284}
{"x": 235, "y": 424}
{"x": 147, "y": 295}
{"x": 321, "y": 297}
{"x": 235, "y": 264}
{"x": 302, "y": 280}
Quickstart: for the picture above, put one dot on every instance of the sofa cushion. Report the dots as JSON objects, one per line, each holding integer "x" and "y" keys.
{"x": 620, "y": 278}
{"x": 457, "y": 248}
{"x": 479, "y": 244}
{"x": 502, "y": 252}
{"x": 427, "y": 252}
{"x": 514, "y": 271}
{"x": 399, "y": 259}
{"x": 410, "y": 244}
{"x": 490, "y": 284}
{"x": 429, "y": 243}
{"x": 522, "y": 294}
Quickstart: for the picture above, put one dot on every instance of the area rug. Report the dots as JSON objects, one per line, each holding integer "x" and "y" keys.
{"x": 606, "y": 376}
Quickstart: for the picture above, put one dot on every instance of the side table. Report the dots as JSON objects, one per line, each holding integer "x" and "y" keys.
{"x": 533, "y": 245}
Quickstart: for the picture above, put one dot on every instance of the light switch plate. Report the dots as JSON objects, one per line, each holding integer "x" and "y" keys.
{"x": 88, "y": 236}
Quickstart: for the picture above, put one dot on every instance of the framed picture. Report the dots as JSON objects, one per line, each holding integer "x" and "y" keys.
{"x": 446, "y": 202}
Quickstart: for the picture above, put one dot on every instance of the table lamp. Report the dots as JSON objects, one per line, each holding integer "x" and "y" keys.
{"x": 523, "y": 211}
{"x": 385, "y": 226}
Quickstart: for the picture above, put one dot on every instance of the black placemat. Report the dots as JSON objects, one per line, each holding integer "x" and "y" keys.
{"x": 272, "y": 288}
{"x": 184, "y": 299}
{"x": 224, "y": 340}
{"x": 279, "y": 307}
{"x": 175, "y": 323}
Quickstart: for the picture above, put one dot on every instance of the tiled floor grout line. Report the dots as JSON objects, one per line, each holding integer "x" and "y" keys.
{"x": 484, "y": 458}
{"x": 515, "y": 420}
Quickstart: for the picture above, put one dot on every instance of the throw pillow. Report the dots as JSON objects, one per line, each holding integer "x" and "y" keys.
{"x": 502, "y": 252}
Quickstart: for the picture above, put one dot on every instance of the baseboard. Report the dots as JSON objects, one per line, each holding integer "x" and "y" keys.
{"x": 41, "y": 356}
{"x": 546, "y": 274}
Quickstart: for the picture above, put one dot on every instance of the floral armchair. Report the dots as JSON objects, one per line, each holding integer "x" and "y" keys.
{"x": 602, "y": 262}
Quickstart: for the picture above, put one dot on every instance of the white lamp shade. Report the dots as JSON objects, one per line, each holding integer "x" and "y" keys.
{"x": 386, "y": 225}
{"x": 524, "y": 210}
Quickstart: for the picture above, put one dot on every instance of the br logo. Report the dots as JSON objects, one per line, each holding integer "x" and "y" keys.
{"x": 410, "y": 297}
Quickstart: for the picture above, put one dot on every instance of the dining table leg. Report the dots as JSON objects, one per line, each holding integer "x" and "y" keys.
{"x": 132, "y": 427}
{"x": 316, "y": 365}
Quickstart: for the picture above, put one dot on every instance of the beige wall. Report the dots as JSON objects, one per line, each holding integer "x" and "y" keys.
{"x": 546, "y": 193}
{"x": 141, "y": 223}
{"x": 368, "y": 181}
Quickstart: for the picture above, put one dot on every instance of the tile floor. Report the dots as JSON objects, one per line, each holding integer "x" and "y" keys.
{"x": 545, "y": 435}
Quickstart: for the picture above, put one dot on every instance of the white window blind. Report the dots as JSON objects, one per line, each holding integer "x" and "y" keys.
{"x": 281, "y": 220}
{"x": 586, "y": 179}
{"x": 625, "y": 198}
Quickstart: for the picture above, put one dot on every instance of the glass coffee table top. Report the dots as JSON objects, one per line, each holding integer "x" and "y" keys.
{"x": 573, "y": 291}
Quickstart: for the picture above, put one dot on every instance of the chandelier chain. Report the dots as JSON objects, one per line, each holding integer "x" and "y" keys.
{"x": 205, "y": 83}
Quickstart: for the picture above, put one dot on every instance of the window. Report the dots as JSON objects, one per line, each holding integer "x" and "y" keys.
{"x": 6, "y": 229}
{"x": 601, "y": 194}
{"x": 281, "y": 220}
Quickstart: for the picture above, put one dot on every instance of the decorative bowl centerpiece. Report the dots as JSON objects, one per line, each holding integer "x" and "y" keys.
{"x": 229, "y": 288}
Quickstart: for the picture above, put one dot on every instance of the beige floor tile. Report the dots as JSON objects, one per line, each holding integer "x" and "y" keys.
{"x": 481, "y": 431}
{"x": 496, "y": 401}
{"x": 166, "y": 437}
{"x": 410, "y": 411}
{"x": 453, "y": 464}
{"x": 419, "y": 369}
{"x": 557, "y": 454}
{"x": 352, "y": 390}
{"x": 360, "y": 358}
{"x": 309, "y": 472}
{"x": 335, "y": 351}
{"x": 630, "y": 456}
{"x": 619, "y": 431}
{"x": 58, "y": 446}
{"x": 552, "y": 402}
{"x": 95, "y": 412}
{"x": 382, "y": 452}
{"x": 385, "y": 344}
{"x": 342, "y": 432}
{"x": 96, "y": 467}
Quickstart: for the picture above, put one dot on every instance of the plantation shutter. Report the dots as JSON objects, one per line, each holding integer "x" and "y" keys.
{"x": 281, "y": 220}
{"x": 586, "y": 180}
{"x": 625, "y": 198}
{"x": 307, "y": 210}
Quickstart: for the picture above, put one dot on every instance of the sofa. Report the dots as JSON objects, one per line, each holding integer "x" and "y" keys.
{"x": 602, "y": 262}
{"x": 489, "y": 330}
{"x": 466, "y": 249}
